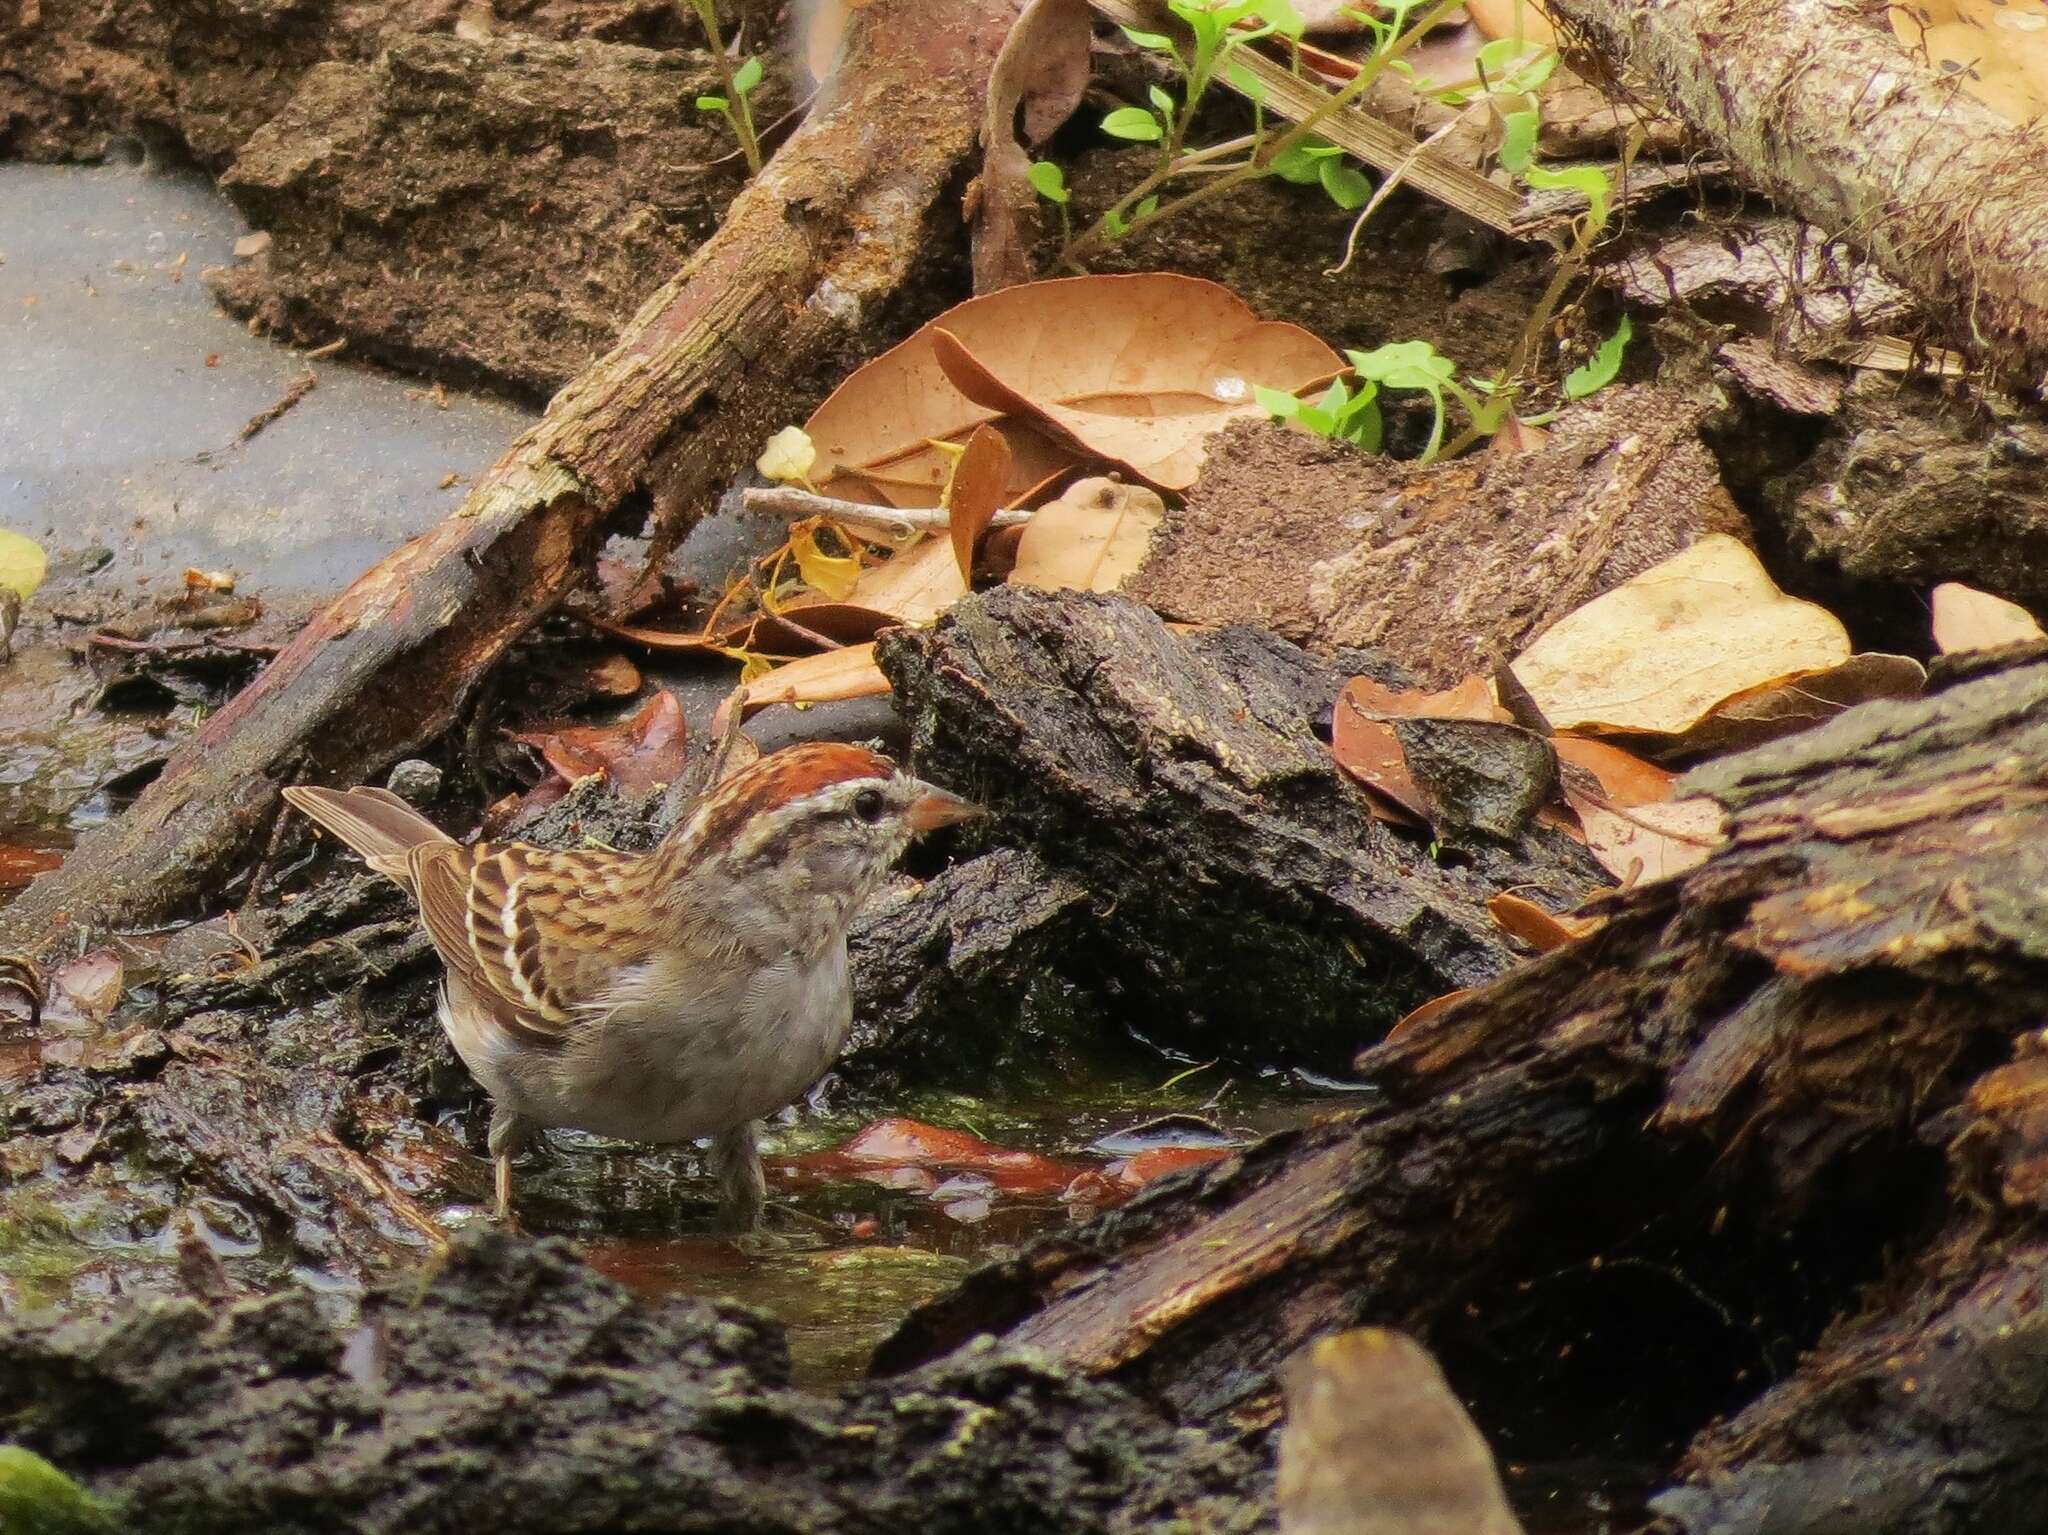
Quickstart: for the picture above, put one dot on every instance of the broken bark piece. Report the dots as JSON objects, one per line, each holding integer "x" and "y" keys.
{"x": 670, "y": 411}
{"x": 1449, "y": 568}
{"x": 399, "y": 220}
{"x": 1247, "y": 897}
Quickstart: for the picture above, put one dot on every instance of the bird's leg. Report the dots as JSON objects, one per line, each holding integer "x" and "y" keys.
{"x": 736, "y": 1164}
{"x": 508, "y": 1134}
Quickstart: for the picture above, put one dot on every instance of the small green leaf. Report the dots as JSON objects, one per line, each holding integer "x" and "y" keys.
{"x": 1114, "y": 226}
{"x": 1157, "y": 41}
{"x": 1275, "y": 403}
{"x": 1404, "y": 365}
{"x": 1588, "y": 181}
{"x": 713, "y": 104}
{"x": 1133, "y": 123}
{"x": 1599, "y": 370}
{"x": 1368, "y": 392}
{"x": 1363, "y": 425}
{"x": 1296, "y": 166}
{"x": 1147, "y": 207}
{"x": 38, "y": 1499}
{"x": 1047, "y": 180}
{"x": 1518, "y": 132}
{"x": 747, "y": 76}
{"x": 1321, "y": 422}
{"x": 1514, "y": 69}
{"x": 1162, "y": 102}
{"x": 1246, "y": 84}
{"x": 1282, "y": 17}
{"x": 1347, "y": 187}
{"x": 1334, "y": 399}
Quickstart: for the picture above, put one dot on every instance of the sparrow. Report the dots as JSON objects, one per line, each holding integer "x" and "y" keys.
{"x": 663, "y": 996}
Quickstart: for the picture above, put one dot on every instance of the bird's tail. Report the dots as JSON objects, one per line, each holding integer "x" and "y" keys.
{"x": 379, "y": 825}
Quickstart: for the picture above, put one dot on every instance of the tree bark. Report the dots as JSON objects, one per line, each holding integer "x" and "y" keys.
{"x": 804, "y": 265}
{"x": 1818, "y": 107}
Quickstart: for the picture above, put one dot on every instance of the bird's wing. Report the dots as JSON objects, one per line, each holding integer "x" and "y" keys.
{"x": 540, "y": 979}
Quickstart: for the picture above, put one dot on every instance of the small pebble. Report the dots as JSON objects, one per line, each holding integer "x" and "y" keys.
{"x": 414, "y": 781}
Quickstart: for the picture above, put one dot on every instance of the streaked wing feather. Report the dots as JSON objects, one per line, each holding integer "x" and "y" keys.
{"x": 541, "y": 981}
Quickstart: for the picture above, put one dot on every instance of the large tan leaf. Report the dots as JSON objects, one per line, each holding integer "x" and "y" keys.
{"x": 1089, "y": 540}
{"x": 1137, "y": 368}
{"x": 1657, "y": 653}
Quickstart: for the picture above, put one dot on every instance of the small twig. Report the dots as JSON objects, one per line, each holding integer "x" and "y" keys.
{"x": 1385, "y": 190}
{"x": 328, "y": 350}
{"x": 894, "y": 521}
{"x": 302, "y": 386}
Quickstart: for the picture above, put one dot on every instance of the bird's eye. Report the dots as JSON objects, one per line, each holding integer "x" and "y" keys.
{"x": 868, "y": 805}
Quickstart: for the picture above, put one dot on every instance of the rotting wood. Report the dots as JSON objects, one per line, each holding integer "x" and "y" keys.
{"x": 1808, "y": 1065}
{"x": 802, "y": 268}
{"x": 1250, "y": 904}
{"x": 1817, "y": 105}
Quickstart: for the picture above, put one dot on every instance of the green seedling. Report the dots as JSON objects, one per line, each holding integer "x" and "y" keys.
{"x": 735, "y": 103}
{"x": 1209, "y": 33}
{"x": 1599, "y": 370}
{"x": 1347, "y": 414}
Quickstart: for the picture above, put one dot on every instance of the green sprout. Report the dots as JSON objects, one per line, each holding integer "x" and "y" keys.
{"x": 735, "y": 105}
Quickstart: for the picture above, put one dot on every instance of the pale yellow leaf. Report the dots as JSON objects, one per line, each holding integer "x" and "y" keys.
{"x": 789, "y": 456}
{"x": 1091, "y": 539}
{"x": 832, "y": 575}
{"x": 22, "y": 564}
{"x": 1658, "y": 653}
{"x": 1967, "y": 619}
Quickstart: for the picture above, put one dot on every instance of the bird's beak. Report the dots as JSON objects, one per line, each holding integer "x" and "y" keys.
{"x": 935, "y": 808}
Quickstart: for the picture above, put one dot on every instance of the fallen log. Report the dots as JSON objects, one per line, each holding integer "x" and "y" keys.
{"x": 801, "y": 271}
{"x": 1623, "y": 1188}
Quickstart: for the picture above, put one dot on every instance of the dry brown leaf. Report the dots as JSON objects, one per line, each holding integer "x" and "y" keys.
{"x": 1967, "y": 619}
{"x": 1542, "y": 930}
{"x": 1043, "y": 69}
{"x": 1623, "y": 777}
{"x": 1409, "y": 1022}
{"x": 1995, "y": 50}
{"x": 1368, "y": 750}
{"x": 1659, "y": 652}
{"x": 1150, "y": 363}
{"x": 88, "y": 987}
{"x": 1750, "y": 719}
{"x": 1089, "y": 540}
{"x": 976, "y": 494}
{"x": 1648, "y": 841}
{"x": 1376, "y": 1442}
{"x": 644, "y": 751}
{"x": 828, "y": 677}
{"x": 1471, "y": 699}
